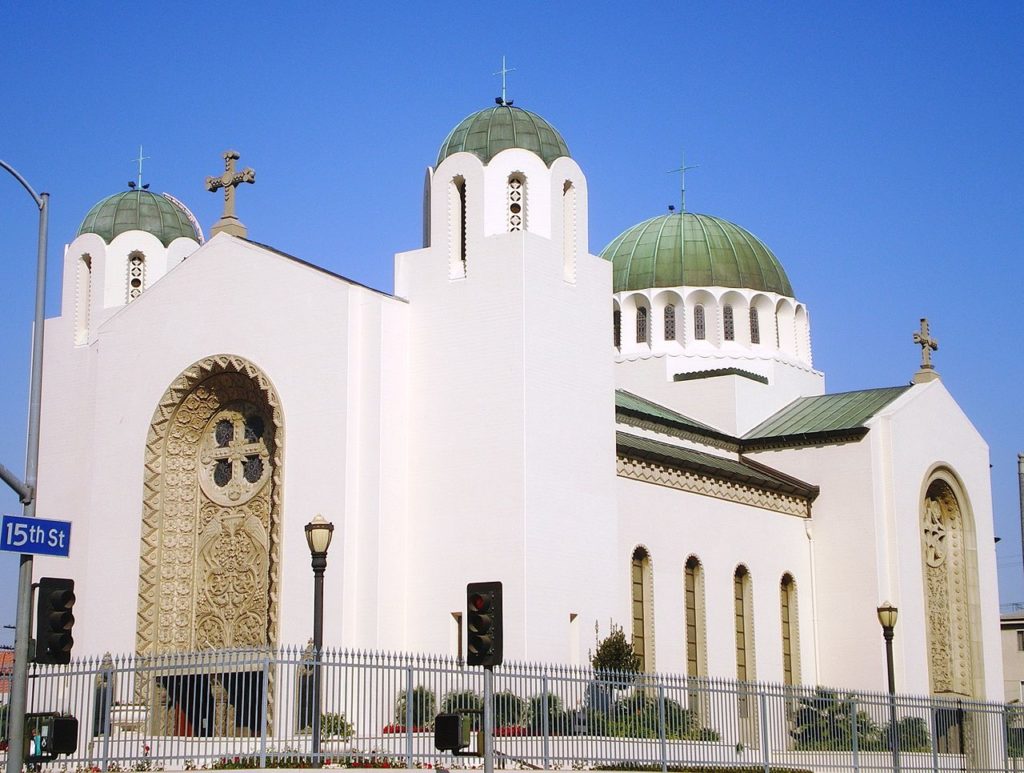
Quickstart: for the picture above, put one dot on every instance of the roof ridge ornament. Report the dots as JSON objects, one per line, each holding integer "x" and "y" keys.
{"x": 928, "y": 345}
{"x": 503, "y": 72}
{"x": 229, "y": 222}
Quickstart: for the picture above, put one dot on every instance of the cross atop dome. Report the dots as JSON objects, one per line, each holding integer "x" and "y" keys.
{"x": 503, "y": 72}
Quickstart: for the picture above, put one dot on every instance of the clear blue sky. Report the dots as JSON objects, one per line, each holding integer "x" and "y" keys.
{"x": 877, "y": 148}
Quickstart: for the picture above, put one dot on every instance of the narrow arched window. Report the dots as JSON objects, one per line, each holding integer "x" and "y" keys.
{"x": 83, "y": 299}
{"x": 516, "y": 202}
{"x": 641, "y": 325}
{"x": 790, "y": 654}
{"x": 741, "y": 616}
{"x": 755, "y": 327}
{"x": 699, "y": 328}
{"x": 136, "y": 275}
{"x": 670, "y": 322}
{"x": 617, "y": 328}
{"x": 641, "y": 583}
{"x": 457, "y": 228}
{"x": 693, "y": 588}
{"x": 728, "y": 324}
{"x": 569, "y": 232}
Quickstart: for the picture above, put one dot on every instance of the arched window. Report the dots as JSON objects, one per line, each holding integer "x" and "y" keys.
{"x": 136, "y": 275}
{"x": 728, "y": 324}
{"x": 569, "y": 232}
{"x": 641, "y": 325}
{"x": 693, "y": 589}
{"x": 699, "y": 328}
{"x": 83, "y": 299}
{"x": 755, "y": 327}
{"x": 743, "y": 624}
{"x": 640, "y": 574}
{"x": 457, "y": 228}
{"x": 516, "y": 202}
{"x": 617, "y": 328}
{"x": 670, "y": 322}
{"x": 790, "y": 643}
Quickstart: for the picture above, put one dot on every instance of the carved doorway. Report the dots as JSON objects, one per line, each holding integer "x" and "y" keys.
{"x": 210, "y": 557}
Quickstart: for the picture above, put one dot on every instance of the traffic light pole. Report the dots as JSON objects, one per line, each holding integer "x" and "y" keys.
{"x": 19, "y": 681}
{"x": 489, "y": 720}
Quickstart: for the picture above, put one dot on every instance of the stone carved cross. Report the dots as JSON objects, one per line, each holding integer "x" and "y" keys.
{"x": 927, "y": 344}
{"x": 229, "y": 222}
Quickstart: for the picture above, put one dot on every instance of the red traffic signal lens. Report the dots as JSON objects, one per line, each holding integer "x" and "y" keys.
{"x": 479, "y": 602}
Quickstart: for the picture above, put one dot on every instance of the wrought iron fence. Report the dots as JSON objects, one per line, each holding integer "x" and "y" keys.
{"x": 255, "y": 708}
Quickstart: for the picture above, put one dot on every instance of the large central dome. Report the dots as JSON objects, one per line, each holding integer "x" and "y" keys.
{"x": 498, "y": 128}
{"x": 683, "y": 249}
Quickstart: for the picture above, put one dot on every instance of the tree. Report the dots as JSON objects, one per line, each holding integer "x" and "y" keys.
{"x": 614, "y": 653}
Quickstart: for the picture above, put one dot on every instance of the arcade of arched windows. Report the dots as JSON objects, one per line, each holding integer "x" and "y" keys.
{"x": 670, "y": 319}
{"x": 741, "y": 616}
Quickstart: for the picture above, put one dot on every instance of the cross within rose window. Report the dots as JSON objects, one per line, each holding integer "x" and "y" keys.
{"x": 234, "y": 458}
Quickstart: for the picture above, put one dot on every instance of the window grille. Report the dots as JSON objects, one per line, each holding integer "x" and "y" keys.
{"x": 741, "y": 585}
{"x": 136, "y": 275}
{"x": 728, "y": 324}
{"x": 640, "y": 566}
{"x": 670, "y": 322}
{"x": 641, "y": 325}
{"x": 516, "y": 203}
{"x": 694, "y": 644}
{"x": 699, "y": 329}
{"x": 617, "y": 328}
{"x": 755, "y": 327}
{"x": 787, "y": 592}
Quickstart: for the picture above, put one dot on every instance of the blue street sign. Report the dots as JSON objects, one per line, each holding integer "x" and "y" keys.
{"x": 35, "y": 535}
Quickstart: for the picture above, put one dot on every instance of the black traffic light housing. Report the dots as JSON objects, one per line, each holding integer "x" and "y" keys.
{"x": 483, "y": 624}
{"x": 54, "y": 620}
{"x": 452, "y": 732}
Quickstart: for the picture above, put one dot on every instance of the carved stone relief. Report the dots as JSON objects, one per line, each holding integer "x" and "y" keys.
{"x": 211, "y": 512}
{"x": 945, "y": 568}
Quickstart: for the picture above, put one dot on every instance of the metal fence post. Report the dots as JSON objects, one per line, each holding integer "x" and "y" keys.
{"x": 662, "y": 728}
{"x": 108, "y": 701}
{"x": 545, "y": 722}
{"x": 409, "y": 698}
{"x": 766, "y": 754}
{"x": 265, "y": 709}
{"x": 855, "y": 733}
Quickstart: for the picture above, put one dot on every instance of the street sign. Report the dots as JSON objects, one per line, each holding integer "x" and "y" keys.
{"x": 35, "y": 535}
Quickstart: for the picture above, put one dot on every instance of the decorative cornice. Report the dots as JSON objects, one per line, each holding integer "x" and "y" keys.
{"x": 706, "y": 485}
{"x": 673, "y": 429}
{"x": 714, "y": 373}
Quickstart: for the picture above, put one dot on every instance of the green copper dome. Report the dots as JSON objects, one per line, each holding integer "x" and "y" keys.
{"x": 685, "y": 249}
{"x": 137, "y": 211}
{"x": 498, "y": 128}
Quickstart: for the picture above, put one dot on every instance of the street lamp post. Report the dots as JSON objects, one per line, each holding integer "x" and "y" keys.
{"x": 318, "y": 537}
{"x": 27, "y": 493}
{"x": 887, "y": 614}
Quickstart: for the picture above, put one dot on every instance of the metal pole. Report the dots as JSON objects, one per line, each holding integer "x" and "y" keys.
{"x": 1020, "y": 483}
{"x": 19, "y": 681}
{"x": 319, "y": 564}
{"x": 488, "y": 720}
{"x": 893, "y": 734}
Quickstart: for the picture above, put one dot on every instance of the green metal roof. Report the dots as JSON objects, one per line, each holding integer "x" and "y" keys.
{"x": 755, "y": 475}
{"x": 488, "y": 132}
{"x": 825, "y": 414}
{"x": 631, "y": 403}
{"x": 686, "y": 249}
{"x": 137, "y": 211}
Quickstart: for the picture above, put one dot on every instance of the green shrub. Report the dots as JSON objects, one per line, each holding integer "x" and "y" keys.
{"x": 509, "y": 709}
{"x": 464, "y": 700}
{"x": 557, "y": 717}
{"x": 424, "y": 707}
{"x": 335, "y": 725}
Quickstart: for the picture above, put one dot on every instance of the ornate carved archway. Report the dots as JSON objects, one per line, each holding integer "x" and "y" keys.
{"x": 210, "y": 554}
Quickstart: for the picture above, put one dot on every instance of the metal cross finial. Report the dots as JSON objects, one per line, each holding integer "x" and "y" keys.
{"x": 229, "y": 222}
{"x": 140, "y": 159}
{"x": 682, "y": 179}
{"x": 928, "y": 345}
{"x": 503, "y": 72}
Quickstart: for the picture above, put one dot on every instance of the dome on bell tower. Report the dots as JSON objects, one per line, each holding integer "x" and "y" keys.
{"x": 494, "y": 129}
{"x": 140, "y": 210}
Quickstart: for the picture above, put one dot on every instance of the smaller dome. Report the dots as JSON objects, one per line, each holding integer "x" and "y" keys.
{"x": 683, "y": 249}
{"x": 138, "y": 211}
{"x": 498, "y": 128}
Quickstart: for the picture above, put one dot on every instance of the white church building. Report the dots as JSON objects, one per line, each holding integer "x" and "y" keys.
{"x": 637, "y": 436}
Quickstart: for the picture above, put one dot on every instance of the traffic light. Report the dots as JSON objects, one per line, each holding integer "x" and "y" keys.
{"x": 452, "y": 731}
{"x": 483, "y": 624}
{"x": 54, "y": 620}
